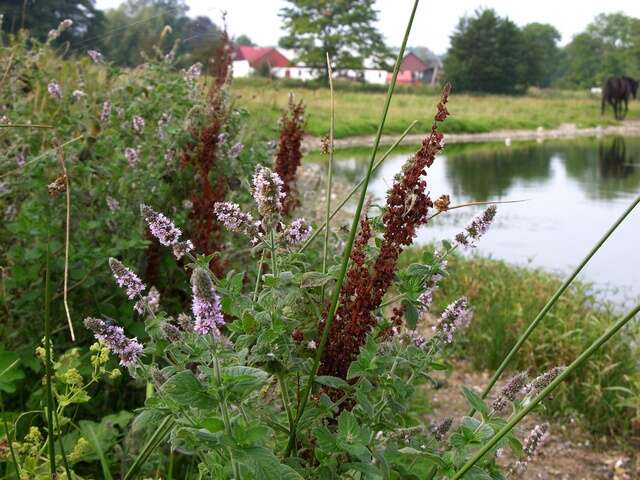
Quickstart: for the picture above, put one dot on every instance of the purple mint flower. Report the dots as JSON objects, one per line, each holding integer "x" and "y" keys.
{"x": 54, "y": 90}
{"x": 150, "y": 302}
{"x": 131, "y": 154}
{"x": 113, "y": 337}
{"x": 457, "y": 315}
{"x": 267, "y": 191}
{"x": 193, "y": 72}
{"x": 160, "y": 226}
{"x": 532, "y": 445}
{"x": 477, "y": 228}
{"x": 431, "y": 284}
{"x": 236, "y": 150}
{"x": 126, "y": 278}
{"x": 137, "y": 123}
{"x": 112, "y": 203}
{"x": 95, "y": 55}
{"x": 183, "y": 248}
{"x": 234, "y": 219}
{"x": 541, "y": 382}
{"x": 440, "y": 429}
{"x": 77, "y": 94}
{"x": 206, "y": 304}
{"x": 510, "y": 391}
{"x": 105, "y": 114}
{"x": 299, "y": 231}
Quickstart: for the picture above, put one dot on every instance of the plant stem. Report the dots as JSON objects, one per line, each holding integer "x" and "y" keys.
{"x": 160, "y": 433}
{"x": 553, "y": 300}
{"x": 47, "y": 345}
{"x": 285, "y": 399}
{"x": 327, "y": 228}
{"x": 224, "y": 409}
{"x": 255, "y": 290}
{"x": 274, "y": 265}
{"x": 335, "y": 295}
{"x": 13, "y": 454}
{"x": 358, "y": 185}
{"x": 515, "y": 419}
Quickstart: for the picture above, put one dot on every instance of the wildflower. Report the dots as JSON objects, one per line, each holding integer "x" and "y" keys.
{"x": 131, "y": 154}
{"x": 222, "y": 138}
{"x": 150, "y": 302}
{"x": 112, "y": 203}
{"x": 297, "y": 335}
{"x": 206, "y": 304}
{"x": 78, "y": 94}
{"x": 193, "y": 72}
{"x": 440, "y": 430}
{"x": 299, "y": 231}
{"x": 442, "y": 203}
{"x": 54, "y": 89}
{"x": 63, "y": 26}
{"x": 312, "y": 345}
{"x": 510, "y": 391}
{"x": 183, "y": 248}
{"x": 160, "y": 226}
{"x": 477, "y": 228}
{"x": 137, "y": 123}
{"x": 170, "y": 331}
{"x": 21, "y": 158}
{"x": 532, "y": 445}
{"x": 184, "y": 321}
{"x": 59, "y": 185}
{"x": 95, "y": 55}
{"x": 289, "y": 153}
{"x": 126, "y": 279}
{"x": 234, "y": 219}
{"x": 267, "y": 191}
{"x": 457, "y": 315}
{"x": 113, "y": 337}
{"x": 4, "y": 120}
{"x": 105, "y": 114}
{"x": 541, "y": 382}
{"x": 325, "y": 145}
{"x": 236, "y": 150}
{"x": 163, "y": 121}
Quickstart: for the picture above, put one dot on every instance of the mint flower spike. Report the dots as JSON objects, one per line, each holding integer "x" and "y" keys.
{"x": 54, "y": 89}
{"x": 126, "y": 279}
{"x": 160, "y": 226}
{"x": 476, "y": 228}
{"x": 298, "y": 232}
{"x": 456, "y": 316}
{"x": 268, "y": 191}
{"x": 206, "y": 304}
{"x": 113, "y": 337}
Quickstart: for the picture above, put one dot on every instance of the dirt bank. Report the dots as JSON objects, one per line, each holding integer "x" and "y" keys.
{"x": 629, "y": 128}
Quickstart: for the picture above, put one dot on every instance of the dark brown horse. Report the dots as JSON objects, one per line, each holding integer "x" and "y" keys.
{"x": 616, "y": 91}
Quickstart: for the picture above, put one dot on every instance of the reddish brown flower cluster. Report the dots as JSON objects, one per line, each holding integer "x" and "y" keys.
{"x": 206, "y": 232}
{"x": 362, "y": 292}
{"x": 289, "y": 153}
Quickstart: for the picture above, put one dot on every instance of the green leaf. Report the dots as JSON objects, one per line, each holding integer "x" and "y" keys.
{"x": 333, "y": 382}
{"x": 315, "y": 279}
{"x": 185, "y": 389}
{"x": 476, "y": 402}
{"x": 431, "y": 456}
{"x": 244, "y": 377}
{"x": 213, "y": 424}
{"x": 265, "y": 464}
{"x": 411, "y": 314}
{"x": 10, "y": 371}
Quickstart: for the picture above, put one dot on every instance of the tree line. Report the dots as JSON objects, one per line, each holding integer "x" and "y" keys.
{"x": 487, "y": 53}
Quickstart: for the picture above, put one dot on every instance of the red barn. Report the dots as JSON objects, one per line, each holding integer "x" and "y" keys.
{"x": 413, "y": 70}
{"x": 258, "y": 57}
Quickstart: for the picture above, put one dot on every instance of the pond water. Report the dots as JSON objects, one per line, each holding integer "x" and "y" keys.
{"x": 574, "y": 190}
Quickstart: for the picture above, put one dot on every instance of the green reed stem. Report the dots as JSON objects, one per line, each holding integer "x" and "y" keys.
{"x": 545, "y": 393}
{"x": 553, "y": 300}
{"x": 335, "y": 295}
{"x": 47, "y": 346}
{"x": 332, "y": 121}
{"x": 286, "y": 399}
{"x": 156, "y": 438}
{"x": 65, "y": 462}
{"x": 359, "y": 184}
{"x": 13, "y": 453}
{"x": 257, "y": 288}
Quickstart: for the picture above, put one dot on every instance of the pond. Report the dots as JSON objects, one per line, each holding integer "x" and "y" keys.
{"x": 574, "y": 190}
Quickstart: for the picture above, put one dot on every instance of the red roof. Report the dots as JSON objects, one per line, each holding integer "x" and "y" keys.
{"x": 413, "y": 63}
{"x": 257, "y": 56}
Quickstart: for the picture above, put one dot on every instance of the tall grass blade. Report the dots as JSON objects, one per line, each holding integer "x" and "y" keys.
{"x": 156, "y": 438}
{"x": 13, "y": 453}
{"x": 327, "y": 229}
{"x": 532, "y": 326}
{"x": 92, "y": 438}
{"x": 584, "y": 356}
{"x": 47, "y": 346}
{"x": 344, "y": 201}
{"x": 352, "y": 234}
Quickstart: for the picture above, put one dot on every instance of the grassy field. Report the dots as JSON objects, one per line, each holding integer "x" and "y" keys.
{"x": 506, "y": 298}
{"x": 357, "y": 112}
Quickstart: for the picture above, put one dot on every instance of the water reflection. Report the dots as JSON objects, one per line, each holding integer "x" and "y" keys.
{"x": 575, "y": 189}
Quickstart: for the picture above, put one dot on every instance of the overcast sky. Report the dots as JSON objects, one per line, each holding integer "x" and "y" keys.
{"x": 433, "y": 25}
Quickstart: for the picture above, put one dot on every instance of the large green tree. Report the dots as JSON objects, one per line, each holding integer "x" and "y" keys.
{"x": 487, "y": 54}
{"x": 345, "y": 29}
{"x": 543, "y": 54}
{"x": 40, "y": 17}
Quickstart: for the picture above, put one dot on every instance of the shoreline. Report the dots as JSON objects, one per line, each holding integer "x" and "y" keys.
{"x": 629, "y": 128}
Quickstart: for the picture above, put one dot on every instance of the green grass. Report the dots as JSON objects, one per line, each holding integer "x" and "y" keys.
{"x": 357, "y": 111}
{"x": 506, "y": 298}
